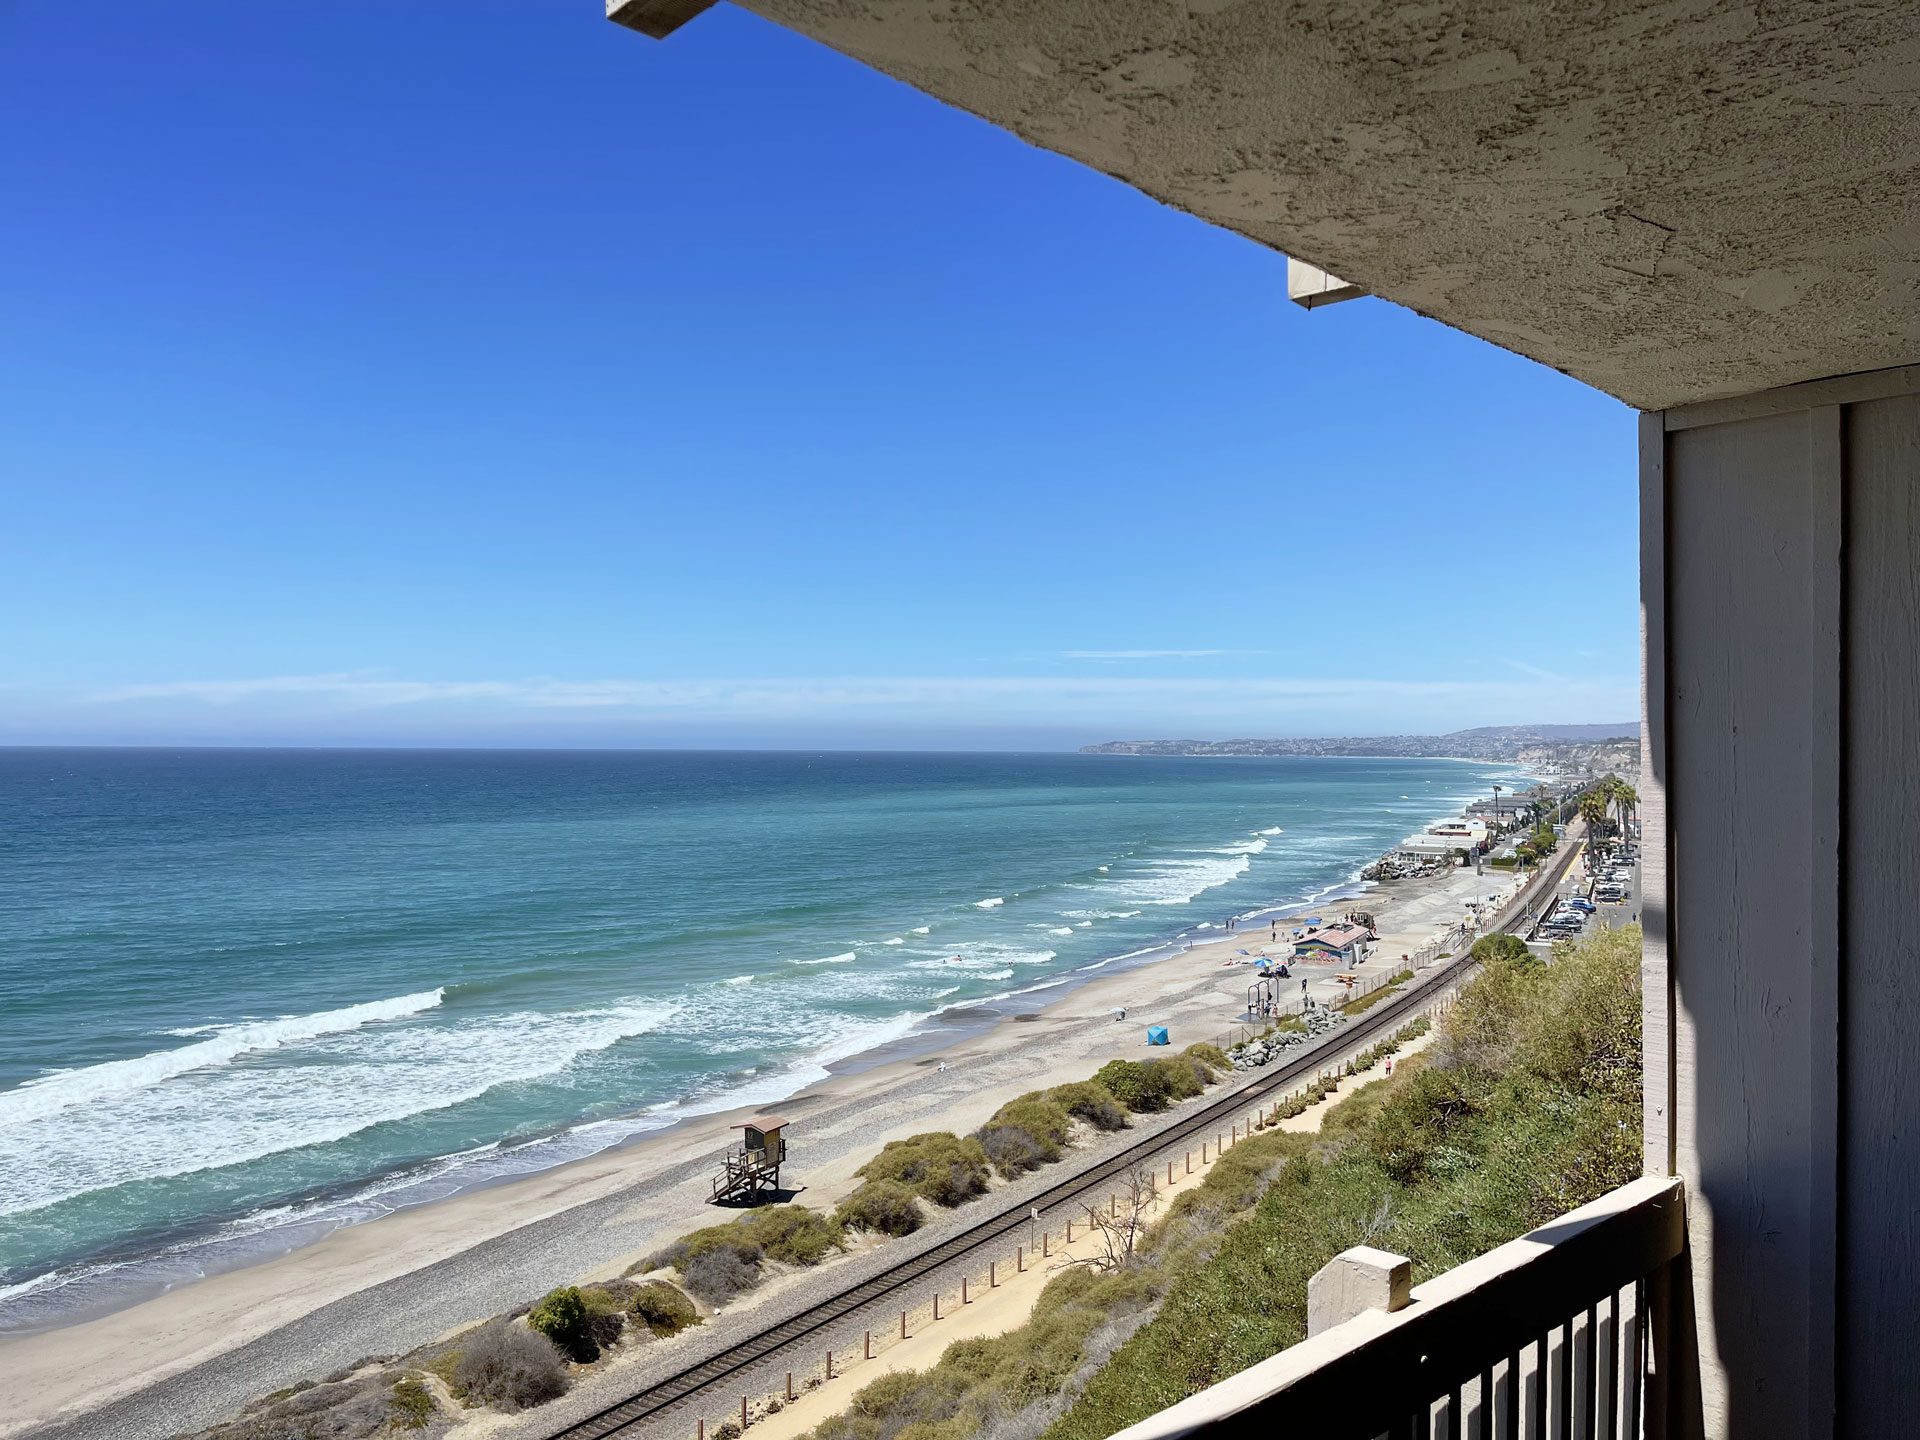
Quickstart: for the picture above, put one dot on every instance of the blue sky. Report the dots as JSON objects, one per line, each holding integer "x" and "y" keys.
{"x": 487, "y": 374}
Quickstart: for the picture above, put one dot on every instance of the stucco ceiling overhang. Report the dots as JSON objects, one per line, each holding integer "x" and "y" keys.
{"x": 1671, "y": 201}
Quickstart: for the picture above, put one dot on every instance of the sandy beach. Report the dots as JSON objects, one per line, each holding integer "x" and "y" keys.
{"x": 193, "y": 1355}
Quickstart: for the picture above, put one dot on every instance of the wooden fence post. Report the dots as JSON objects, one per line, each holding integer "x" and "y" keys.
{"x": 936, "y": 1304}
{"x": 789, "y": 1384}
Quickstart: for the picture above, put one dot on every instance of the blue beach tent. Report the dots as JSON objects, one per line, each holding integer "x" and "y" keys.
{"x": 1157, "y": 1035}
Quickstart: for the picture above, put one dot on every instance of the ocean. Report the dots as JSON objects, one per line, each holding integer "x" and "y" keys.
{"x": 247, "y": 996}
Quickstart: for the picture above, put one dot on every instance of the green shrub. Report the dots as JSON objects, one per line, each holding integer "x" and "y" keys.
{"x": 938, "y": 1166}
{"x": 561, "y": 1316}
{"x": 1089, "y": 1101}
{"x": 885, "y": 1206}
{"x": 606, "y": 1314}
{"x": 413, "y": 1404}
{"x": 1502, "y": 949}
{"x": 718, "y": 1262}
{"x": 793, "y": 1234}
{"x": 716, "y": 1276}
{"x": 1025, "y": 1134}
{"x": 1180, "y": 1077}
{"x": 1139, "y": 1087}
{"x": 508, "y": 1366}
{"x": 662, "y": 1308}
{"x": 1212, "y": 1056}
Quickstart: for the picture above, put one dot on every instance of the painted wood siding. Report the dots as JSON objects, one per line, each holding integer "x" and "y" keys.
{"x": 1781, "y": 577}
{"x": 1879, "y": 1279}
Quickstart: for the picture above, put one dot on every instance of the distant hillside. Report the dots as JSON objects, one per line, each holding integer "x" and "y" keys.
{"x": 1580, "y": 747}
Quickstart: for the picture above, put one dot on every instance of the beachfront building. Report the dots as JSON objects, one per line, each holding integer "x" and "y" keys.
{"x": 1467, "y": 831}
{"x": 1342, "y": 944}
{"x": 1705, "y": 209}
{"x": 1429, "y": 846}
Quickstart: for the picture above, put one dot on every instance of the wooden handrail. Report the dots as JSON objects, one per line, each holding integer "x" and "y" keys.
{"x": 1364, "y": 1377}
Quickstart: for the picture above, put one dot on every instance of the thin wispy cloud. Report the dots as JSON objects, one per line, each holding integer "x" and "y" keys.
{"x": 1065, "y": 696}
{"x": 1138, "y": 654}
{"x": 1537, "y": 672}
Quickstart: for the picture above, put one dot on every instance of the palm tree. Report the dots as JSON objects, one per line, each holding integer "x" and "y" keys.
{"x": 1624, "y": 798}
{"x": 1593, "y": 808}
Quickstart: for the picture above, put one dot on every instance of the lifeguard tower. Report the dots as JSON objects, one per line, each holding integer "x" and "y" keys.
{"x": 750, "y": 1172}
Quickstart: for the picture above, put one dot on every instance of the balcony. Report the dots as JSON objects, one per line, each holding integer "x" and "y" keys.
{"x": 1566, "y": 1332}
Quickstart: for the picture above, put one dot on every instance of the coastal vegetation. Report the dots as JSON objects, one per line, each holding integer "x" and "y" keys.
{"x": 1373, "y": 997}
{"x": 1526, "y": 1105}
{"x": 514, "y": 1362}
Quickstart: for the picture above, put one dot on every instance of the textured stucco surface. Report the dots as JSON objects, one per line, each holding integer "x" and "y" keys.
{"x": 1672, "y": 200}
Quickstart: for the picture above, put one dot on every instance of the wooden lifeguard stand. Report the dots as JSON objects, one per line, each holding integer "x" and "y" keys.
{"x": 750, "y": 1171}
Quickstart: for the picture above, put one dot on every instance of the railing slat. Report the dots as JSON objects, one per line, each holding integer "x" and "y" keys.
{"x": 1590, "y": 1349}
{"x": 1390, "y": 1371}
{"x": 1610, "y": 1391}
{"x": 1566, "y": 1381}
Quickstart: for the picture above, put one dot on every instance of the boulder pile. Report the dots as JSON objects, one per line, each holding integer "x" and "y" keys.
{"x": 1265, "y": 1050}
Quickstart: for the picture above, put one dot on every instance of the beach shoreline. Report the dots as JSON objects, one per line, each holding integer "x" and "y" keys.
{"x": 494, "y": 1246}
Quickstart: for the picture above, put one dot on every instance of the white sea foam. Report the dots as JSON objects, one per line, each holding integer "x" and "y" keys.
{"x": 896, "y": 940}
{"x": 997, "y": 975}
{"x": 318, "y": 1090}
{"x": 739, "y": 980}
{"x": 1063, "y": 929}
{"x": 1176, "y": 879}
{"x": 1277, "y": 830}
{"x": 840, "y": 959}
{"x": 990, "y": 903}
{"x": 921, "y": 930}
{"x": 93, "y": 1084}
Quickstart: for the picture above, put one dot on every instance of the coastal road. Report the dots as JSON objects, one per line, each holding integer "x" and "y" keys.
{"x": 754, "y": 1363}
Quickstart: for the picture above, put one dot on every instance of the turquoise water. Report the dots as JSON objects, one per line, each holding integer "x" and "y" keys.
{"x": 246, "y": 996}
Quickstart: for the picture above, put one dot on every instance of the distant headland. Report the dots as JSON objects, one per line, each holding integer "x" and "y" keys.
{"x": 1597, "y": 748}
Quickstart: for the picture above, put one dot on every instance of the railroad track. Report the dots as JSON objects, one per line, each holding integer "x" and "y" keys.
{"x": 628, "y": 1415}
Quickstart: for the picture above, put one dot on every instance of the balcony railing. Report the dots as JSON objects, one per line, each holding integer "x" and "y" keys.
{"x": 1564, "y": 1332}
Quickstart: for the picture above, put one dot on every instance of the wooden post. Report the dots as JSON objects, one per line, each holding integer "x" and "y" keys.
{"x": 936, "y": 1304}
{"x": 700, "y": 1429}
{"x": 993, "y": 1274}
{"x": 1189, "y": 1162}
{"x": 829, "y": 1364}
{"x": 1069, "y": 1229}
{"x": 1113, "y": 1205}
{"x": 1020, "y": 1258}
{"x": 743, "y": 1413}
{"x": 963, "y": 1291}
{"x": 1169, "y": 1172}
{"x": 789, "y": 1384}
{"x": 903, "y": 1324}
{"x": 869, "y": 1346}
{"x": 1046, "y": 1243}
